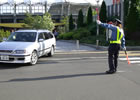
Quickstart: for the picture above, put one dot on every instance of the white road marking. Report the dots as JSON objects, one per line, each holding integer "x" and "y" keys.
{"x": 132, "y": 62}
{"x": 121, "y": 71}
{"x": 131, "y": 58}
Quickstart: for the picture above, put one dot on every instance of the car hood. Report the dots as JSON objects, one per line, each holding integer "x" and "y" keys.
{"x": 15, "y": 45}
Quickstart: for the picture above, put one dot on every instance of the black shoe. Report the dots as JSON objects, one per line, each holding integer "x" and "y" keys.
{"x": 110, "y": 72}
{"x": 115, "y": 70}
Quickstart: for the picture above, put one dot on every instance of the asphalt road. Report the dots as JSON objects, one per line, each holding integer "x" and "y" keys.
{"x": 71, "y": 75}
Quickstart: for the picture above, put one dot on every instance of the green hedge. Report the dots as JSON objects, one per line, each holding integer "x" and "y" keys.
{"x": 88, "y": 35}
{"x": 85, "y": 35}
{"x": 76, "y": 34}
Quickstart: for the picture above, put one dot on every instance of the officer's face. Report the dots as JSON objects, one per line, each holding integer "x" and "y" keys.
{"x": 115, "y": 23}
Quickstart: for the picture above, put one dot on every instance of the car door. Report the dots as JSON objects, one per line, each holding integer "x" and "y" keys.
{"x": 52, "y": 39}
{"x": 47, "y": 43}
{"x": 41, "y": 39}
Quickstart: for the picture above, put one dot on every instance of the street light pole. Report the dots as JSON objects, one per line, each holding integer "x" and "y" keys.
{"x": 97, "y": 10}
{"x": 122, "y": 12}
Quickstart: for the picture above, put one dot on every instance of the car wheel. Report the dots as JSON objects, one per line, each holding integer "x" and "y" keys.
{"x": 51, "y": 53}
{"x": 34, "y": 58}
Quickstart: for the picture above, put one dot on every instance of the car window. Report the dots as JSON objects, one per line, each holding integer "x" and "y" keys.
{"x": 46, "y": 36}
{"x": 41, "y": 36}
{"x": 22, "y": 36}
{"x": 50, "y": 35}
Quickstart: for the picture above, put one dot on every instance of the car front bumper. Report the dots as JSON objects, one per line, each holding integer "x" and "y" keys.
{"x": 15, "y": 58}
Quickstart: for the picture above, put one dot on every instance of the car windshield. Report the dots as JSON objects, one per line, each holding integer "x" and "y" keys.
{"x": 23, "y": 36}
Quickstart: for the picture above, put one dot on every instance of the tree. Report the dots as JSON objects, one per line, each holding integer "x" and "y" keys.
{"x": 89, "y": 16}
{"x": 29, "y": 20}
{"x": 65, "y": 21}
{"x": 71, "y": 23}
{"x": 4, "y": 34}
{"x": 138, "y": 7}
{"x": 126, "y": 10}
{"x": 103, "y": 17}
{"x": 47, "y": 22}
{"x": 38, "y": 22}
{"x": 132, "y": 19}
{"x": 103, "y": 12}
{"x": 80, "y": 21}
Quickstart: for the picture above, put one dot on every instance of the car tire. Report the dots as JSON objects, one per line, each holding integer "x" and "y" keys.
{"x": 51, "y": 53}
{"x": 34, "y": 58}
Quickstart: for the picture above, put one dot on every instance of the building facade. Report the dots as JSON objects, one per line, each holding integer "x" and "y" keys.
{"x": 57, "y": 10}
{"x": 15, "y": 13}
{"x": 113, "y": 8}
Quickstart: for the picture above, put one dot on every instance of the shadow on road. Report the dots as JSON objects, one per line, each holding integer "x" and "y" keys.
{"x": 47, "y": 62}
{"x": 54, "y": 77}
{"x": 14, "y": 66}
{"x": 11, "y": 66}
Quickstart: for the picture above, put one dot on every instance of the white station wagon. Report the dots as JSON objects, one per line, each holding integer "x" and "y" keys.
{"x": 26, "y": 46}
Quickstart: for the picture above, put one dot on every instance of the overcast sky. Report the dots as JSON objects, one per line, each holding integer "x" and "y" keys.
{"x": 77, "y": 1}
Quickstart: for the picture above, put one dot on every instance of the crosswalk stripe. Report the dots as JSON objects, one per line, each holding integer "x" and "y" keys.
{"x": 130, "y": 58}
{"x": 132, "y": 62}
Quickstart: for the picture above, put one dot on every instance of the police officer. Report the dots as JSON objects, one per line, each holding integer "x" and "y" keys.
{"x": 117, "y": 39}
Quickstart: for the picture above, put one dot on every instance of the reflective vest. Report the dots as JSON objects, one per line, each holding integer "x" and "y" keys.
{"x": 119, "y": 37}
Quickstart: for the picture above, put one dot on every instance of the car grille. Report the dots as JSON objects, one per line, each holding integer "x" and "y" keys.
{"x": 5, "y": 51}
{"x": 12, "y": 59}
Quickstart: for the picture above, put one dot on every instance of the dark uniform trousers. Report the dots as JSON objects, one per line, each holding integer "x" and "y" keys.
{"x": 113, "y": 52}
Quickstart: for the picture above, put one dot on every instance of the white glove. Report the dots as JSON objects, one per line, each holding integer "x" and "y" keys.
{"x": 124, "y": 48}
{"x": 98, "y": 21}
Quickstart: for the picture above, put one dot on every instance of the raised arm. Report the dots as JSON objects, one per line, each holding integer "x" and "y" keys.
{"x": 105, "y": 25}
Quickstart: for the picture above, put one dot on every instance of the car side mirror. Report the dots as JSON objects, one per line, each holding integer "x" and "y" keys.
{"x": 41, "y": 40}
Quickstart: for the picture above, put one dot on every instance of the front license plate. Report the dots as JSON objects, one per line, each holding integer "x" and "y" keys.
{"x": 4, "y": 57}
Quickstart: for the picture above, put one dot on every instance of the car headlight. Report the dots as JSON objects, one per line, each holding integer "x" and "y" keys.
{"x": 20, "y": 51}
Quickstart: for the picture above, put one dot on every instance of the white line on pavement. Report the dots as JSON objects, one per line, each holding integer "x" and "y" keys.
{"x": 131, "y": 58}
{"x": 121, "y": 71}
{"x": 132, "y": 62}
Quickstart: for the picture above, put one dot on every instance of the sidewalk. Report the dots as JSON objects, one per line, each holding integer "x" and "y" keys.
{"x": 72, "y": 46}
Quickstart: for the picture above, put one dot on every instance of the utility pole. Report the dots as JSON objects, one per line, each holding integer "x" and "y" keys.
{"x": 30, "y": 7}
{"x": 15, "y": 14}
{"x": 68, "y": 8}
{"x": 46, "y": 6}
{"x": 0, "y": 12}
{"x": 122, "y": 12}
{"x": 62, "y": 9}
{"x": 97, "y": 10}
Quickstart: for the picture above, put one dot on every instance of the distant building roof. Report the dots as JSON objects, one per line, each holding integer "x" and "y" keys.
{"x": 68, "y": 8}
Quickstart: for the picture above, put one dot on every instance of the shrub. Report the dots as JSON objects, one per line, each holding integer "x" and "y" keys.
{"x": 4, "y": 34}
{"x": 93, "y": 28}
{"x": 89, "y": 40}
{"x": 77, "y": 36}
{"x": 67, "y": 36}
